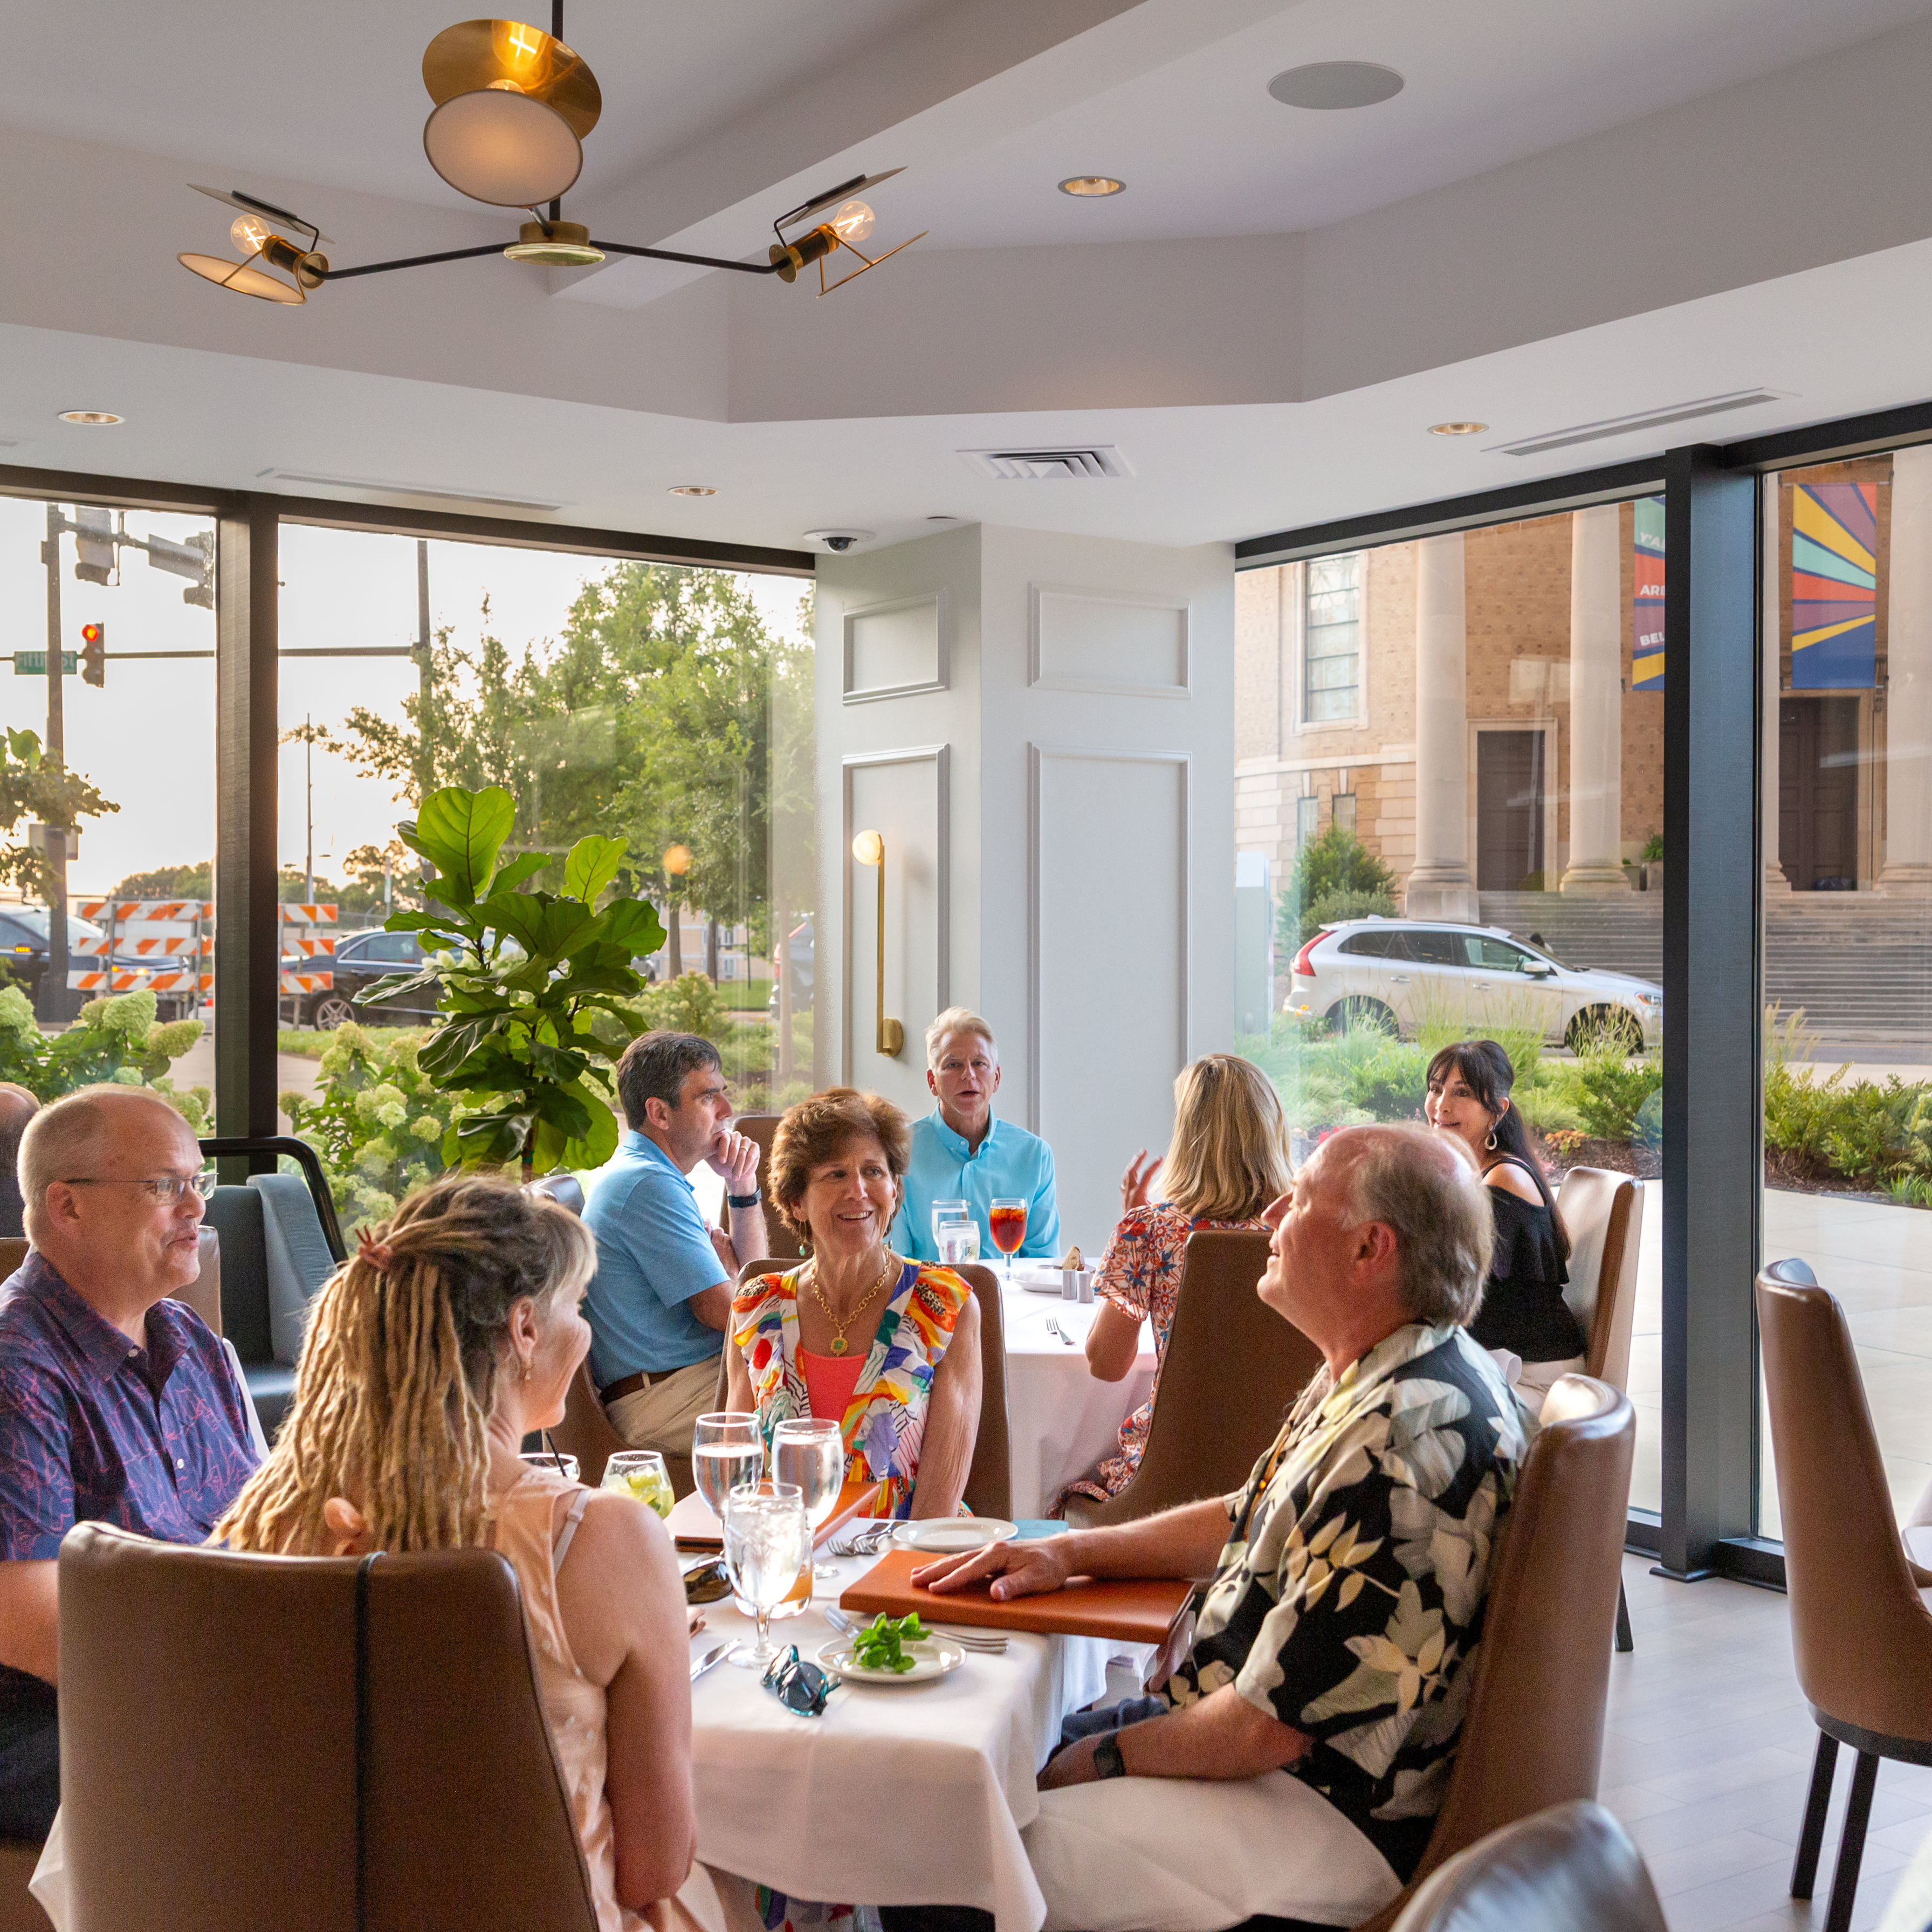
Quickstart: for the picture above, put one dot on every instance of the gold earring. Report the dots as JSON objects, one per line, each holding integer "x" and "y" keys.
{"x": 527, "y": 1368}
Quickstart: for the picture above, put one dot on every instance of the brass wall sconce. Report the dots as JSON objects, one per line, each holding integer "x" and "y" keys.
{"x": 869, "y": 849}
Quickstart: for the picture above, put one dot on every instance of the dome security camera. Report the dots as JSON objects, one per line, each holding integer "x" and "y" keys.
{"x": 839, "y": 542}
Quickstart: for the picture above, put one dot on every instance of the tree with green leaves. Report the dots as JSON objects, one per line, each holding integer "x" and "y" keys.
{"x": 1335, "y": 877}
{"x": 536, "y": 988}
{"x": 36, "y": 787}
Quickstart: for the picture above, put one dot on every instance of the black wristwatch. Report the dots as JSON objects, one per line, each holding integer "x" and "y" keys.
{"x": 750, "y": 1200}
{"x": 1107, "y": 1762}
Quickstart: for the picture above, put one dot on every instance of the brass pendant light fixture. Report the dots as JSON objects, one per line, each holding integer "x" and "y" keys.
{"x": 511, "y": 106}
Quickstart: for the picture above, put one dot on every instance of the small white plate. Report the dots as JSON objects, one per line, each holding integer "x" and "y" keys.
{"x": 933, "y": 1658}
{"x": 953, "y": 1535}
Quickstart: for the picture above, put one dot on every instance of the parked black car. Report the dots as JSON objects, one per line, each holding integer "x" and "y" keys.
{"x": 23, "y": 949}
{"x": 362, "y": 959}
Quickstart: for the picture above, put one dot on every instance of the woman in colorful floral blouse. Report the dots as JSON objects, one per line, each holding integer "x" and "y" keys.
{"x": 889, "y": 1347}
{"x": 1228, "y": 1159}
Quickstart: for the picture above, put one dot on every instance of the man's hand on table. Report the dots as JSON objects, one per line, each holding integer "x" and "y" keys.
{"x": 1019, "y": 1570}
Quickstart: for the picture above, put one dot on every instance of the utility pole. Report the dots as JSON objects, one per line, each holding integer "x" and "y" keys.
{"x": 53, "y": 1002}
{"x": 426, "y": 679}
{"x": 308, "y": 814}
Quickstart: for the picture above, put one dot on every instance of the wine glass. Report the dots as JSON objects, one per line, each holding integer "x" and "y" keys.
{"x": 766, "y": 1544}
{"x": 1007, "y": 1219}
{"x": 809, "y": 1451}
{"x": 640, "y": 1473}
{"x": 945, "y": 1214}
{"x": 727, "y": 1452}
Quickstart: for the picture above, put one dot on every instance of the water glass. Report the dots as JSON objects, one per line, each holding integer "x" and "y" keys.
{"x": 726, "y": 1453}
{"x": 767, "y": 1545}
{"x": 641, "y": 1473}
{"x": 958, "y": 1244}
{"x": 949, "y": 1213}
{"x": 566, "y": 1465}
{"x": 809, "y": 1450}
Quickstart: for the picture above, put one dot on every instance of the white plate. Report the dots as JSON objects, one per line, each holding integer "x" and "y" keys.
{"x": 953, "y": 1535}
{"x": 933, "y": 1658}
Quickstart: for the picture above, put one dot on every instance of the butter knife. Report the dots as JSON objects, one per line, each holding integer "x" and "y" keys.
{"x": 715, "y": 1655}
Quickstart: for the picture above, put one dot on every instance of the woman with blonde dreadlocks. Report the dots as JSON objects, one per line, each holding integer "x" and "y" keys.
{"x": 431, "y": 1353}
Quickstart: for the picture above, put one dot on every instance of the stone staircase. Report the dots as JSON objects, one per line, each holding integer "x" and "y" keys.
{"x": 1859, "y": 965}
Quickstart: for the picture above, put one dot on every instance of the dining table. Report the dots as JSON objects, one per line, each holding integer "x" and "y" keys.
{"x": 1061, "y": 1418}
{"x": 903, "y": 1794}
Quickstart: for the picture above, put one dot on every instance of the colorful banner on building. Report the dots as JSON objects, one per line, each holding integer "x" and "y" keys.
{"x": 1647, "y": 594}
{"x": 1834, "y": 586}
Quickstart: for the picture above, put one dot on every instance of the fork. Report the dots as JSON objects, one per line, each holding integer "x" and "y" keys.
{"x": 988, "y": 1643}
{"x": 1054, "y": 1328}
{"x": 860, "y": 1542}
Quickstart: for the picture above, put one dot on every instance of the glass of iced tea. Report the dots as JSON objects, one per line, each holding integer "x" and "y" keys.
{"x": 1006, "y": 1222}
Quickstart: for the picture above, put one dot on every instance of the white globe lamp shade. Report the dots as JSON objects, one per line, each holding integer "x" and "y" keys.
{"x": 503, "y": 147}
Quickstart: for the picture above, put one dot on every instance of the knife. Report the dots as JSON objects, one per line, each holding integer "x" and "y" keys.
{"x": 715, "y": 1655}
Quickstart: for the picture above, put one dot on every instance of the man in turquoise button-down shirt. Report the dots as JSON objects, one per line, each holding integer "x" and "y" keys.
{"x": 961, "y": 1153}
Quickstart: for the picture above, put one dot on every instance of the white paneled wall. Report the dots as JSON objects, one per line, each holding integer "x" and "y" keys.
{"x": 1041, "y": 727}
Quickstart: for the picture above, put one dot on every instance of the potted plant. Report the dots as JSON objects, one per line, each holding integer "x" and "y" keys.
{"x": 536, "y": 987}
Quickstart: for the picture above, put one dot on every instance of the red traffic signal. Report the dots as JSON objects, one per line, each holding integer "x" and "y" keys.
{"x": 94, "y": 654}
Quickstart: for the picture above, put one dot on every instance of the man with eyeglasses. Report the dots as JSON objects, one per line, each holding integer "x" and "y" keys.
{"x": 117, "y": 1403}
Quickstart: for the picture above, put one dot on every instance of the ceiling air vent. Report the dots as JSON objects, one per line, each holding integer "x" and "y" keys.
{"x": 1611, "y": 426}
{"x": 1042, "y": 466}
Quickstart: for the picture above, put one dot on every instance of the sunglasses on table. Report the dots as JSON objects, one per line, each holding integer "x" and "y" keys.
{"x": 706, "y": 1582}
{"x": 802, "y": 1687}
{"x": 167, "y": 1187}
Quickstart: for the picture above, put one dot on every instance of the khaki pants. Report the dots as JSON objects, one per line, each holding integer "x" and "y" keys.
{"x": 663, "y": 1416}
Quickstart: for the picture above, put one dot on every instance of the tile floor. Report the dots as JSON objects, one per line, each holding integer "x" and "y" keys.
{"x": 1707, "y": 1756}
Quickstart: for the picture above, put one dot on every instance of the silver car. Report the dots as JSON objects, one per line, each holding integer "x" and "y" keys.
{"x": 1400, "y": 975}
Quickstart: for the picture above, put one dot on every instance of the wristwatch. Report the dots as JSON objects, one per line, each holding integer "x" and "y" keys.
{"x": 1107, "y": 1762}
{"x": 750, "y": 1200}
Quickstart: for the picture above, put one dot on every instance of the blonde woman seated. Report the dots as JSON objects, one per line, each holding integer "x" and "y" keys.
{"x": 889, "y": 1347}
{"x": 431, "y": 1353}
{"x": 1227, "y": 1159}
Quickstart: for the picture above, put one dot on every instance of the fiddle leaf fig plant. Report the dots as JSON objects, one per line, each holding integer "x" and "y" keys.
{"x": 535, "y": 987}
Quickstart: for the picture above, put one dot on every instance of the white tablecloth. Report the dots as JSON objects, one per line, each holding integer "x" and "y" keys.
{"x": 913, "y": 1795}
{"x": 1062, "y": 1419}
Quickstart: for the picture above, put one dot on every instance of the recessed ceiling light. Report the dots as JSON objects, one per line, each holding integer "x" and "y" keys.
{"x": 942, "y": 520}
{"x": 1330, "y": 84}
{"x": 1457, "y": 428}
{"x": 692, "y": 490}
{"x": 97, "y": 418}
{"x": 1091, "y": 184}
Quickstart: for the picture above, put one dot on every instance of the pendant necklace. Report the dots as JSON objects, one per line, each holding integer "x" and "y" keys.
{"x": 838, "y": 1327}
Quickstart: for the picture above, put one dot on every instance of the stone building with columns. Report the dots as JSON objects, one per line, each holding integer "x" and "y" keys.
{"x": 1464, "y": 701}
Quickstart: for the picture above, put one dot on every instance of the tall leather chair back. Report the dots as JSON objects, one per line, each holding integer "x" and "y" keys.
{"x": 13, "y": 1253}
{"x": 782, "y": 1243}
{"x": 1602, "y": 1213}
{"x": 1232, "y": 1370}
{"x": 1534, "y": 1732}
{"x": 989, "y": 1485}
{"x": 364, "y": 1748}
{"x": 1861, "y": 1636}
{"x": 203, "y": 1294}
{"x": 1573, "y": 1866}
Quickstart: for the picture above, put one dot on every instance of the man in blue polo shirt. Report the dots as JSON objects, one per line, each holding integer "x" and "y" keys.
{"x": 961, "y": 1153}
{"x": 661, "y": 1297}
{"x": 117, "y": 1404}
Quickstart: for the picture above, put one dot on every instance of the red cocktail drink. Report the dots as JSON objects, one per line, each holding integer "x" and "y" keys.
{"x": 1007, "y": 1222}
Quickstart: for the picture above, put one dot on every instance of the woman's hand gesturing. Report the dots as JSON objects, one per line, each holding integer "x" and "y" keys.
{"x": 1137, "y": 1179}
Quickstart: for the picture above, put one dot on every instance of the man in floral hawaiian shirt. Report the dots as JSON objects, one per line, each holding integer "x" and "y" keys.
{"x": 1316, "y": 1719}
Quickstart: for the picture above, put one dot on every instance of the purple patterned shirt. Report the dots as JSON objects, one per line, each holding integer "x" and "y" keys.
{"x": 94, "y": 1429}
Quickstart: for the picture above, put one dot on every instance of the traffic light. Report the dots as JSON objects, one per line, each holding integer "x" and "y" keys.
{"x": 194, "y": 559}
{"x": 94, "y": 654}
{"x": 94, "y": 545}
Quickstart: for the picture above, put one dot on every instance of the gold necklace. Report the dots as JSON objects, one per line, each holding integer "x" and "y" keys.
{"x": 838, "y": 1327}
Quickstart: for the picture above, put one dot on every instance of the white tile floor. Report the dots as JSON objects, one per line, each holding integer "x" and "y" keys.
{"x": 1707, "y": 1757}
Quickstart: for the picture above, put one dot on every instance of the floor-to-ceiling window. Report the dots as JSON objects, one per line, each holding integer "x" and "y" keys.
{"x": 667, "y": 706}
{"x": 1846, "y": 615}
{"x": 1450, "y": 797}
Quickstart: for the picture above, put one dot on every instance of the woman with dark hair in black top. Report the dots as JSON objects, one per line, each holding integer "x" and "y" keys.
{"x": 1523, "y": 1310}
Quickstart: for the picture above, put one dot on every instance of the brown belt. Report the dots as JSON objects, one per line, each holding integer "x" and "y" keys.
{"x": 630, "y": 1384}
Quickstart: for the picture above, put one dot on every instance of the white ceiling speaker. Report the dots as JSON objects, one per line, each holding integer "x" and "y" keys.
{"x": 1328, "y": 85}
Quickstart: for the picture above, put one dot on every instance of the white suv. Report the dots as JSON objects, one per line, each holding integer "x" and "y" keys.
{"x": 1400, "y": 974}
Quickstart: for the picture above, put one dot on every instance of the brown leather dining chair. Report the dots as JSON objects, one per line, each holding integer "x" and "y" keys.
{"x": 1232, "y": 1368}
{"x": 351, "y": 1723}
{"x": 1602, "y": 1212}
{"x": 1534, "y": 1732}
{"x": 12, "y": 1252}
{"x": 1573, "y": 1866}
{"x": 989, "y": 1484}
{"x": 781, "y": 1240}
{"x": 1861, "y": 1634}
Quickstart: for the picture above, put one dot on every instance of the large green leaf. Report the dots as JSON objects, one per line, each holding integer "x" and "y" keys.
{"x": 392, "y": 984}
{"x": 593, "y": 864}
{"x": 461, "y": 833}
{"x": 453, "y": 1043}
{"x": 633, "y": 925}
{"x": 525, "y": 865}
